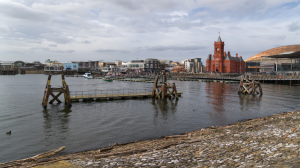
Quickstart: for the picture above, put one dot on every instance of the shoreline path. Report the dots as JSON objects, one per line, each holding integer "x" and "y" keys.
{"x": 269, "y": 141}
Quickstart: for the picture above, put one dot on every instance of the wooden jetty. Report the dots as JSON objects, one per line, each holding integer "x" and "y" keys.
{"x": 9, "y": 72}
{"x": 249, "y": 86}
{"x": 159, "y": 91}
{"x": 291, "y": 79}
{"x": 49, "y": 91}
{"x": 99, "y": 95}
{"x": 22, "y": 71}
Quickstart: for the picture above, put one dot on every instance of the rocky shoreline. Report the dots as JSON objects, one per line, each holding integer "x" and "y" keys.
{"x": 262, "y": 142}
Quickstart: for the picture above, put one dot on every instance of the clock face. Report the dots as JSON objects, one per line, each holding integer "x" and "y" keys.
{"x": 217, "y": 49}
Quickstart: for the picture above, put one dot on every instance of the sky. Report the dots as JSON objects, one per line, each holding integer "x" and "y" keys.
{"x": 110, "y": 30}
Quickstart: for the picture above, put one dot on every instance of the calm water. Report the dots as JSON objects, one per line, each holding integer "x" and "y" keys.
{"x": 94, "y": 125}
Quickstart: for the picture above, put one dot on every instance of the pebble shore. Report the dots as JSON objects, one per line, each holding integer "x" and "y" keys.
{"x": 269, "y": 141}
{"x": 263, "y": 142}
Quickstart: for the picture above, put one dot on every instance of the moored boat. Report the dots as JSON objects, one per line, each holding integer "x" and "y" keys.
{"x": 107, "y": 79}
{"x": 88, "y": 75}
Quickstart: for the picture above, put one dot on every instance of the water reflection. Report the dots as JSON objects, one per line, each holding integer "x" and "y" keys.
{"x": 215, "y": 98}
{"x": 163, "y": 108}
{"x": 247, "y": 101}
{"x": 56, "y": 121}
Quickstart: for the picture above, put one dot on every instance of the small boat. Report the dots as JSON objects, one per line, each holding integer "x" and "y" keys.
{"x": 88, "y": 75}
{"x": 107, "y": 79}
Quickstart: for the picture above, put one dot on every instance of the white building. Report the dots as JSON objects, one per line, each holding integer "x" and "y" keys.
{"x": 193, "y": 65}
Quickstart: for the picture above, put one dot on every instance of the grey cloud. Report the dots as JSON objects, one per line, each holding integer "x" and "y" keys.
{"x": 17, "y": 10}
{"x": 62, "y": 51}
{"x": 294, "y": 26}
{"x": 40, "y": 48}
{"x": 175, "y": 48}
{"x": 52, "y": 45}
{"x": 268, "y": 37}
{"x": 86, "y": 42}
{"x": 135, "y": 41}
{"x": 56, "y": 38}
{"x": 4, "y": 29}
{"x": 70, "y": 51}
{"x": 111, "y": 51}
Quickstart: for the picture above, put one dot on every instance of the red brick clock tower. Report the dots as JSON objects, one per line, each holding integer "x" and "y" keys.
{"x": 219, "y": 55}
{"x": 223, "y": 62}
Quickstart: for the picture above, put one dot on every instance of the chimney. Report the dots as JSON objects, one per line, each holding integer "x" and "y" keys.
{"x": 236, "y": 55}
{"x": 229, "y": 53}
{"x": 224, "y": 53}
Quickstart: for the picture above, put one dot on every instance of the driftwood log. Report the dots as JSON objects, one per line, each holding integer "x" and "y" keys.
{"x": 34, "y": 158}
{"x": 121, "y": 153}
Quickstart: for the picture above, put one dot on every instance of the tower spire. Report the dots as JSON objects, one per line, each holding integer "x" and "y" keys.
{"x": 219, "y": 39}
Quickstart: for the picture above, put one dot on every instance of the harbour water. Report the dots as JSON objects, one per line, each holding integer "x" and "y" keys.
{"x": 91, "y": 125}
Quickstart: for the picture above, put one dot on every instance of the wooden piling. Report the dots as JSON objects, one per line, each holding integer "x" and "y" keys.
{"x": 249, "y": 86}
{"x": 49, "y": 91}
{"x": 162, "y": 91}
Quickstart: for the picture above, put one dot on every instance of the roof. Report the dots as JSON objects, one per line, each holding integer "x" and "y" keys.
{"x": 287, "y": 55}
{"x": 274, "y": 51}
{"x": 219, "y": 39}
{"x": 7, "y": 62}
{"x": 228, "y": 57}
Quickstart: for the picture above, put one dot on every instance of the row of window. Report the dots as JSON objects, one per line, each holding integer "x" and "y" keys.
{"x": 136, "y": 65}
{"x": 69, "y": 66}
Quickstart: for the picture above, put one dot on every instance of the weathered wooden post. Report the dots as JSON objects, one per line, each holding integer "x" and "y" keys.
{"x": 66, "y": 91}
{"x": 164, "y": 86}
{"x": 154, "y": 86}
{"x": 249, "y": 86}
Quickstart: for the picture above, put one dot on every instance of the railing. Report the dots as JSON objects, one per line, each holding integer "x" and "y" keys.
{"x": 109, "y": 93}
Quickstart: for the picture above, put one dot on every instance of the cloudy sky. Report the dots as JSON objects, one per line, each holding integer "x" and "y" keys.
{"x": 109, "y": 30}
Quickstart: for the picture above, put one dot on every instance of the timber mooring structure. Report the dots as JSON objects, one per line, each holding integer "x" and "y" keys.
{"x": 49, "y": 91}
{"x": 249, "y": 86}
{"x": 162, "y": 91}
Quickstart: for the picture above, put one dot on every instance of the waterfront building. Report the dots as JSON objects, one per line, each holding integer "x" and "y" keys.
{"x": 287, "y": 62}
{"x": 136, "y": 65}
{"x": 110, "y": 69}
{"x": 268, "y": 64}
{"x": 223, "y": 62}
{"x": 87, "y": 66}
{"x": 152, "y": 65}
{"x": 102, "y": 65}
{"x": 178, "y": 68}
{"x": 71, "y": 66}
{"x": 169, "y": 67}
{"x": 252, "y": 66}
{"x": 189, "y": 65}
{"x": 193, "y": 65}
{"x": 48, "y": 61}
{"x": 7, "y": 64}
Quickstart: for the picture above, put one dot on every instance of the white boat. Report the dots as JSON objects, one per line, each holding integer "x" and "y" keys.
{"x": 88, "y": 75}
